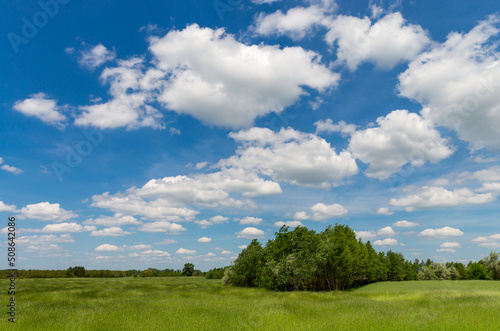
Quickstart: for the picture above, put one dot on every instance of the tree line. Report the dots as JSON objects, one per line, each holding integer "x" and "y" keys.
{"x": 334, "y": 259}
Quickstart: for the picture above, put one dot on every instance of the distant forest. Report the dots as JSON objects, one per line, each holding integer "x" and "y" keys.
{"x": 305, "y": 260}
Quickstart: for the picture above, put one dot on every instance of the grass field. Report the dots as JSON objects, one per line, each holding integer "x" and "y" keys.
{"x": 200, "y": 304}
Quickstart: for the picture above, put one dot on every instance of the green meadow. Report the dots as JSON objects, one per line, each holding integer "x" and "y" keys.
{"x": 194, "y": 303}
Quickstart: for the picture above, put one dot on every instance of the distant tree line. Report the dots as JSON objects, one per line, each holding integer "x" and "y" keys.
{"x": 335, "y": 260}
{"x": 79, "y": 271}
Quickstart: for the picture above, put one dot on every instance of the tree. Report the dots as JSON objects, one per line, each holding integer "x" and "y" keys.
{"x": 188, "y": 269}
{"x": 476, "y": 271}
{"x": 492, "y": 263}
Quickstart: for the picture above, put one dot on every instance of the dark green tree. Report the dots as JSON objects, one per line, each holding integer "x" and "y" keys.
{"x": 188, "y": 269}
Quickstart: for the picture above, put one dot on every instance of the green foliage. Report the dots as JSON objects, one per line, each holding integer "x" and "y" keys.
{"x": 188, "y": 269}
{"x": 477, "y": 271}
{"x": 302, "y": 259}
{"x": 215, "y": 273}
{"x": 196, "y": 303}
{"x": 75, "y": 272}
{"x": 492, "y": 263}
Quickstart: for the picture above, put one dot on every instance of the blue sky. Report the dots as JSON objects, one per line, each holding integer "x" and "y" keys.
{"x": 151, "y": 134}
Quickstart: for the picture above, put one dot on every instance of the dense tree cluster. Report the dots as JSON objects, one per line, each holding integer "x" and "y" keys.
{"x": 215, "y": 273}
{"x": 335, "y": 260}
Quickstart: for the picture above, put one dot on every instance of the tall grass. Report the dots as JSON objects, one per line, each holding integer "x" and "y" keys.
{"x": 185, "y": 303}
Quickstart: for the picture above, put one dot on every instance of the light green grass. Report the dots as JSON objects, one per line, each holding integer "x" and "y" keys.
{"x": 185, "y": 303}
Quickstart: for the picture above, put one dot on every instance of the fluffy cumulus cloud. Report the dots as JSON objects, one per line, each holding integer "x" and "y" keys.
{"x": 490, "y": 242}
{"x": 108, "y": 248}
{"x": 386, "y": 242}
{"x": 386, "y": 43}
{"x": 296, "y": 22}
{"x": 95, "y": 56}
{"x": 429, "y": 197}
{"x": 291, "y": 156}
{"x": 45, "y": 211}
{"x": 40, "y": 106}
{"x": 5, "y": 207}
{"x": 405, "y": 224}
{"x": 221, "y": 81}
{"x": 400, "y": 138}
{"x": 66, "y": 227}
{"x": 204, "y": 240}
{"x": 114, "y": 231}
{"x": 250, "y": 233}
{"x": 457, "y": 81}
{"x": 441, "y": 233}
{"x": 386, "y": 232}
{"x": 185, "y": 251}
{"x": 9, "y": 168}
{"x": 45, "y": 244}
{"x": 131, "y": 90}
{"x": 384, "y": 211}
{"x": 321, "y": 212}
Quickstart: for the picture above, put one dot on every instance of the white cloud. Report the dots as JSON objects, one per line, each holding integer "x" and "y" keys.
{"x": 185, "y": 251}
{"x": 292, "y": 224}
{"x": 242, "y": 246}
{"x": 218, "y": 219}
{"x": 250, "y": 233}
{"x": 446, "y": 250}
{"x": 296, "y": 23}
{"x": 204, "y": 240}
{"x": 110, "y": 232}
{"x": 441, "y": 233}
{"x": 260, "y": 2}
{"x": 384, "y": 211}
{"x": 250, "y": 220}
{"x": 108, "y": 248}
{"x": 4, "y": 207}
{"x": 457, "y": 83}
{"x": 203, "y": 223}
{"x": 226, "y": 252}
{"x": 301, "y": 216}
{"x": 386, "y": 43}
{"x": 40, "y": 106}
{"x": 152, "y": 253}
{"x": 130, "y": 89}
{"x": 67, "y": 227}
{"x": 221, "y": 81}
{"x": 450, "y": 245}
{"x": 112, "y": 221}
{"x": 161, "y": 226}
{"x": 490, "y": 241}
{"x": 438, "y": 197}
{"x": 45, "y": 211}
{"x": 365, "y": 235}
{"x": 201, "y": 165}
{"x": 140, "y": 247}
{"x": 385, "y": 242}
{"x": 12, "y": 169}
{"x": 323, "y": 212}
{"x": 405, "y": 224}
{"x": 400, "y": 138}
{"x": 94, "y": 57}
{"x": 316, "y": 164}
{"x": 329, "y": 127}
{"x": 387, "y": 232}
